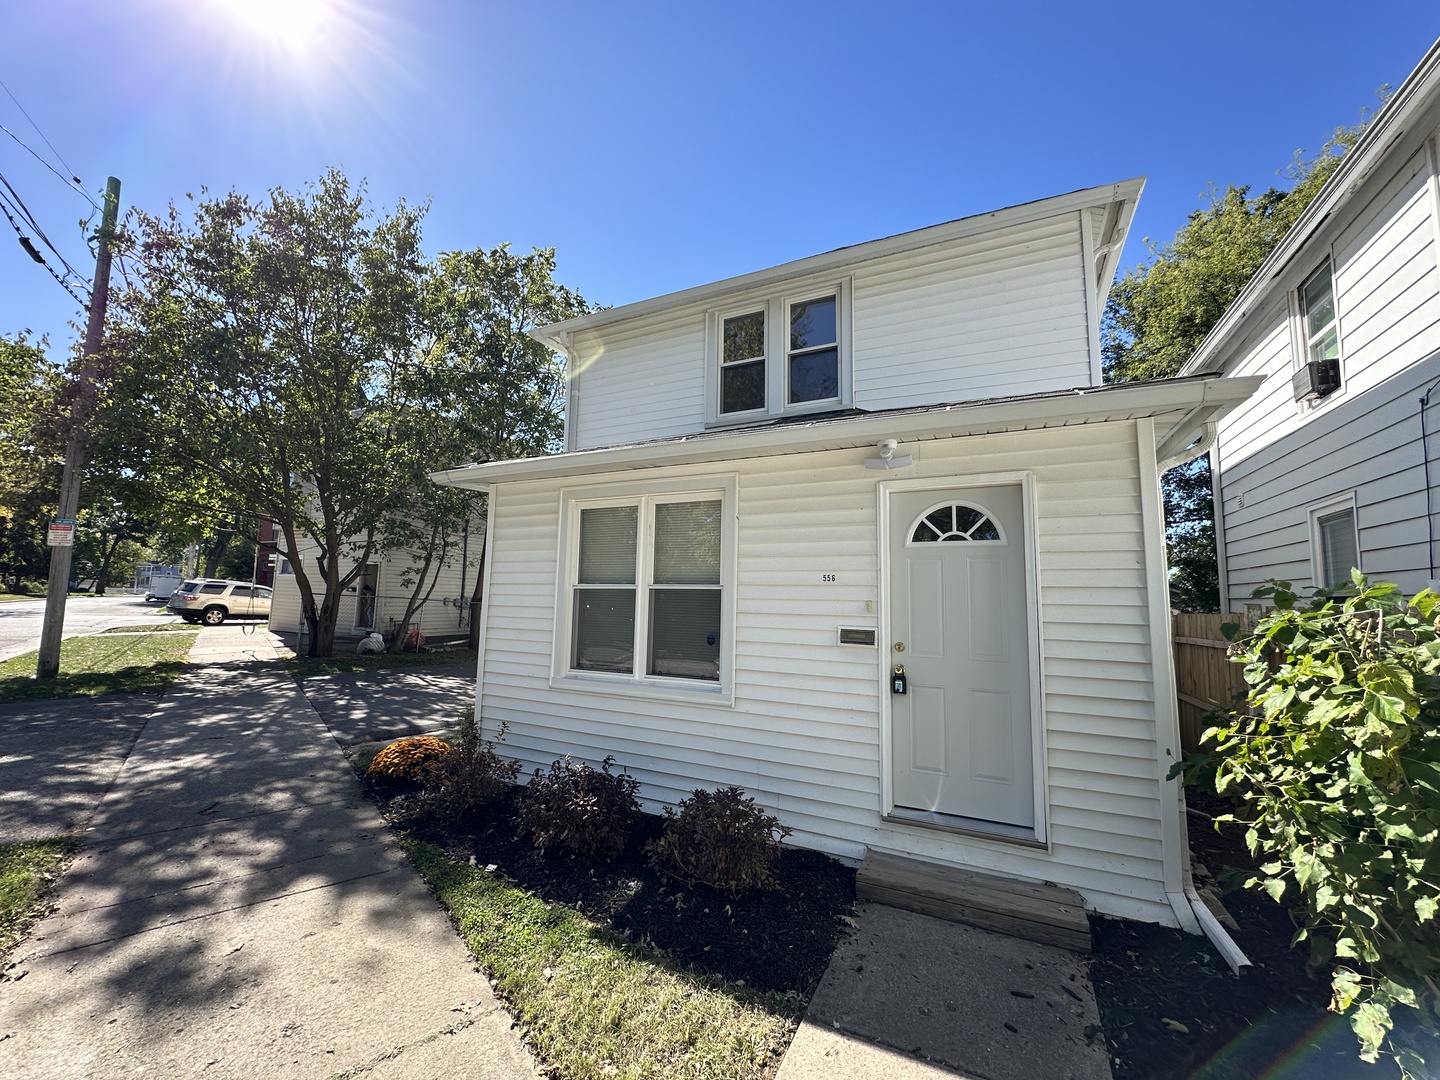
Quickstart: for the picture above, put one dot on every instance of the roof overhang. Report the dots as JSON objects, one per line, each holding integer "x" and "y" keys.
{"x": 1181, "y": 409}
{"x": 1117, "y": 199}
{"x": 1415, "y": 96}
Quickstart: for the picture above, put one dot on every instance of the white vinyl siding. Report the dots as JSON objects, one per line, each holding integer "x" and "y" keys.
{"x": 644, "y": 381}
{"x": 991, "y": 315}
{"x": 1278, "y": 459}
{"x": 1369, "y": 444}
{"x": 803, "y": 733}
{"x": 1003, "y": 314}
{"x": 436, "y": 618}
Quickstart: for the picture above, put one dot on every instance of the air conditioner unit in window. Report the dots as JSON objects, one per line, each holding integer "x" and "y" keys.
{"x": 1317, "y": 379}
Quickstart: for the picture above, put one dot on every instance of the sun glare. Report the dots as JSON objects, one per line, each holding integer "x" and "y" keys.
{"x": 290, "y": 22}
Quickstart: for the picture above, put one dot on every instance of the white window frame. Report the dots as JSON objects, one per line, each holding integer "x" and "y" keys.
{"x": 1316, "y": 511}
{"x": 776, "y": 306}
{"x": 1301, "y": 338}
{"x": 645, "y": 495}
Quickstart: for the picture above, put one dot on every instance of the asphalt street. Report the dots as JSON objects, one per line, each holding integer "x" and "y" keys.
{"x": 20, "y": 620}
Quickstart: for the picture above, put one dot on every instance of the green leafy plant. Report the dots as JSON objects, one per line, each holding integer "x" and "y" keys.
{"x": 721, "y": 838}
{"x": 1335, "y": 756}
{"x": 471, "y": 776}
{"x": 407, "y": 759}
{"x": 580, "y": 809}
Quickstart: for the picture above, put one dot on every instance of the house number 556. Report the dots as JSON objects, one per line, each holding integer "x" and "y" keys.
{"x": 828, "y": 579}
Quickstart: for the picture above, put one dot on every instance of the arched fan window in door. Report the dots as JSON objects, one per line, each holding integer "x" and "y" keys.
{"x": 955, "y": 522}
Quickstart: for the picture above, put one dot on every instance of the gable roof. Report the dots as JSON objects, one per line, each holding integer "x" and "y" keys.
{"x": 1418, "y": 93}
{"x": 1117, "y": 199}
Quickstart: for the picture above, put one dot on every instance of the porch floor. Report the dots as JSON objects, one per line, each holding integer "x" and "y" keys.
{"x": 1024, "y": 909}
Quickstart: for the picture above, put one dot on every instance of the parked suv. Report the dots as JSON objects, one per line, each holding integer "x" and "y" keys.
{"x": 213, "y": 600}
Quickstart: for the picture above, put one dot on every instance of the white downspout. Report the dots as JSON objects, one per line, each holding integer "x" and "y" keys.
{"x": 1189, "y": 909}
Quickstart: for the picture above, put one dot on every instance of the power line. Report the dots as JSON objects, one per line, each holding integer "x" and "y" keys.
{"x": 71, "y": 182}
{"x": 41, "y": 133}
{"x": 24, "y": 211}
{"x": 35, "y": 254}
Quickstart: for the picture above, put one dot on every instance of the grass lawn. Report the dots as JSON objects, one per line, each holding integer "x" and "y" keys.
{"x": 593, "y": 1004}
{"x": 304, "y": 666}
{"x": 136, "y": 664}
{"x": 28, "y": 869}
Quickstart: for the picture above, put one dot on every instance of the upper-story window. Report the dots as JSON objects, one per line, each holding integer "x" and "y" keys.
{"x": 812, "y": 364}
{"x": 781, "y": 354}
{"x": 742, "y": 370}
{"x": 1319, "y": 373}
{"x": 1317, "y": 302}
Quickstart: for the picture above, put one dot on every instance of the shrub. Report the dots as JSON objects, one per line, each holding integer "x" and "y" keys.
{"x": 407, "y": 759}
{"x": 470, "y": 776}
{"x": 1336, "y": 758}
{"x": 585, "y": 810}
{"x": 721, "y": 838}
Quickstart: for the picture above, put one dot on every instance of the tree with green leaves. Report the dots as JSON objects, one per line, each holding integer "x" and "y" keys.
{"x": 31, "y": 450}
{"x": 1159, "y": 312}
{"x": 298, "y": 357}
{"x": 492, "y": 391}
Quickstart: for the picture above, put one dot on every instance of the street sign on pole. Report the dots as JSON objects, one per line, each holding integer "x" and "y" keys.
{"x": 61, "y": 533}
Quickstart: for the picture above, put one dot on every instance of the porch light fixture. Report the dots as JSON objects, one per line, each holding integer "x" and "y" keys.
{"x": 887, "y": 459}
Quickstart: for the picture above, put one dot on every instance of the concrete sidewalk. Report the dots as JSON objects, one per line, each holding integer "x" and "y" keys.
{"x": 239, "y": 909}
{"x": 908, "y": 997}
{"x": 390, "y": 703}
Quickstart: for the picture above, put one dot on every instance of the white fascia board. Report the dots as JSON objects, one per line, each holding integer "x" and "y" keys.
{"x": 1113, "y": 243}
{"x": 1415, "y": 95}
{"x": 1173, "y": 402}
{"x": 1125, "y": 192}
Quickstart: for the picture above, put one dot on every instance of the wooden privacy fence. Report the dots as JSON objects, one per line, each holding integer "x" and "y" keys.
{"x": 1205, "y": 676}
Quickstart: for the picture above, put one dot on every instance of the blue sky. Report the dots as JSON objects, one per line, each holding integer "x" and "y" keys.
{"x": 661, "y": 145}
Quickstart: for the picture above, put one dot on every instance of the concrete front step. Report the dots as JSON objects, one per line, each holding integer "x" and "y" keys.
{"x": 1024, "y": 909}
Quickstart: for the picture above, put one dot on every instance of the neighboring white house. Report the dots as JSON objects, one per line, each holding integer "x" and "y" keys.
{"x": 789, "y": 495}
{"x": 377, "y": 599}
{"x": 1334, "y": 462}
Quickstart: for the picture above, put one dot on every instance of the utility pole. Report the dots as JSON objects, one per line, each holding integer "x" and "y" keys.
{"x": 83, "y": 408}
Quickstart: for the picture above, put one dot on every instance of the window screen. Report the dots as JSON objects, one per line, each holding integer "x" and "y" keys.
{"x": 1338, "y": 549}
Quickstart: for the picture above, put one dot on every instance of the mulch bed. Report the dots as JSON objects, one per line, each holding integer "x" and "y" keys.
{"x": 773, "y": 942}
{"x": 1170, "y": 1007}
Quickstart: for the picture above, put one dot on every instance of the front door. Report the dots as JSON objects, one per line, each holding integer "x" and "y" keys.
{"x": 959, "y": 619}
{"x": 365, "y": 602}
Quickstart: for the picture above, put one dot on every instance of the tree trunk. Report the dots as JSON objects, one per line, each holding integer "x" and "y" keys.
{"x": 415, "y": 600}
{"x": 322, "y": 628}
{"x": 216, "y": 554}
{"x": 102, "y": 576}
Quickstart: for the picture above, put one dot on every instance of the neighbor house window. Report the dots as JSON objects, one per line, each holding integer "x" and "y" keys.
{"x": 1317, "y": 308}
{"x": 1335, "y": 542}
{"x": 780, "y": 355}
{"x": 647, "y": 587}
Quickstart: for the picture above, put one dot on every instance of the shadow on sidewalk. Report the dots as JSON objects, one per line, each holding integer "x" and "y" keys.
{"x": 237, "y": 898}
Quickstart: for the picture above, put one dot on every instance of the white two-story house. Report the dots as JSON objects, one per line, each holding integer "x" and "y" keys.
{"x": 866, "y": 535}
{"x": 1333, "y": 463}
